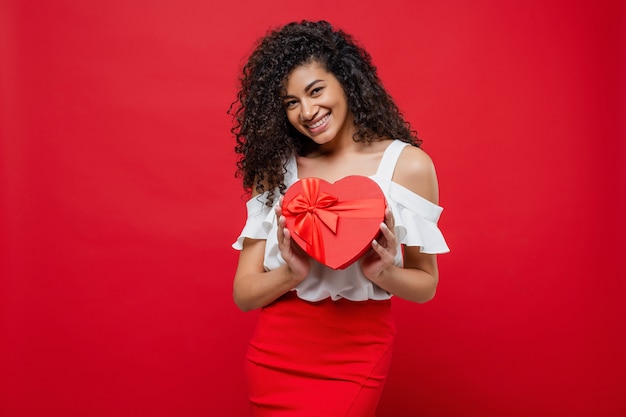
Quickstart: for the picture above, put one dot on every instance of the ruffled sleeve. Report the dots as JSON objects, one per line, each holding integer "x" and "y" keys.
{"x": 416, "y": 220}
{"x": 259, "y": 223}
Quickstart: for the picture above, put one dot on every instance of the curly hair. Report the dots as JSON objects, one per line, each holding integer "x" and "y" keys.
{"x": 265, "y": 138}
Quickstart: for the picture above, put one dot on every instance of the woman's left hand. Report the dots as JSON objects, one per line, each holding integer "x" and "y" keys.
{"x": 383, "y": 251}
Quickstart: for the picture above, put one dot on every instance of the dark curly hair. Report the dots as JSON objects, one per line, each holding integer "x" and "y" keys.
{"x": 265, "y": 138}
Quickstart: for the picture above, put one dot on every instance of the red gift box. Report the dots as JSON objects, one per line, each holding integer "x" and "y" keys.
{"x": 334, "y": 223}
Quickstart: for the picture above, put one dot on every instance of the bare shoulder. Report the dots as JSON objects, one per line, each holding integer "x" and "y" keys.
{"x": 415, "y": 170}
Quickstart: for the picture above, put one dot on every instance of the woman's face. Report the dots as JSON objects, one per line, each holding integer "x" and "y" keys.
{"x": 316, "y": 104}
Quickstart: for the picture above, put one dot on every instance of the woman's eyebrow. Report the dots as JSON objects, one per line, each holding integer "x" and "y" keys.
{"x": 306, "y": 89}
{"x": 311, "y": 84}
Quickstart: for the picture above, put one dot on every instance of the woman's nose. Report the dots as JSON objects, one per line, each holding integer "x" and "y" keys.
{"x": 307, "y": 111}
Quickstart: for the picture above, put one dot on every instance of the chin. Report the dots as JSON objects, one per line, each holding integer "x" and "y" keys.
{"x": 323, "y": 138}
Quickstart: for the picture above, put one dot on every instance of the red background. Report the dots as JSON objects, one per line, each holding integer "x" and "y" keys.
{"x": 119, "y": 205}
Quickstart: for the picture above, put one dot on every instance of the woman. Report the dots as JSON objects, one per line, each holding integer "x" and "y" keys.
{"x": 312, "y": 105}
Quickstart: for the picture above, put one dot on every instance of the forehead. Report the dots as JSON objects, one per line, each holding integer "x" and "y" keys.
{"x": 302, "y": 76}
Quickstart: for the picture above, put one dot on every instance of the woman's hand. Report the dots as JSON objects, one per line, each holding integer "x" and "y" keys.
{"x": 298, "y": 262}
{"x": 383, "y": 252}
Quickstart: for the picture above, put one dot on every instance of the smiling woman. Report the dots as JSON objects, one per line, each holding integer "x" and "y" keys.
{"x": 316, "y": 104}
{"x": 312, "y": 106}
{"x": 118, "y": 203}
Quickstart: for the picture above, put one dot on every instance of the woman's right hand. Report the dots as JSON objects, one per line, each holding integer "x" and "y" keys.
{"x": 297, "y": 261}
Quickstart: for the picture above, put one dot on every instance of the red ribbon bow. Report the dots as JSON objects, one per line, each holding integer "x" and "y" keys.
{"x": 314, "y": 209}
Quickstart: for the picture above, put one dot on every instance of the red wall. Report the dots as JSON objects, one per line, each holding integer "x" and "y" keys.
{"x": 118, "y": 204}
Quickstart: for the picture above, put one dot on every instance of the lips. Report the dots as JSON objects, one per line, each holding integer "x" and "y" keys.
{"x": 318, "y": 123}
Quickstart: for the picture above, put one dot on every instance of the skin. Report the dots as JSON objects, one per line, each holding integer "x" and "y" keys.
{"x": 316, "y": 105}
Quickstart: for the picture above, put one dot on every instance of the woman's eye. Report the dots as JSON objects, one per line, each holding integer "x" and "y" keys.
{"x": 289, "y": 104}
{"x": 316, "y": 91}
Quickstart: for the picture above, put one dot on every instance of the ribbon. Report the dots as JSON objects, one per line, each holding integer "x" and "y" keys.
{"x": 314, "y": 209}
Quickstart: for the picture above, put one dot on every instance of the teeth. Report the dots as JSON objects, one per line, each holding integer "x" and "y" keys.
{"x": 319, "y": 123}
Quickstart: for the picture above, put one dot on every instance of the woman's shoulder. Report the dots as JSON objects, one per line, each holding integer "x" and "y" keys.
{"x": 415, "y": 159}
{"x": 415, "y": 171}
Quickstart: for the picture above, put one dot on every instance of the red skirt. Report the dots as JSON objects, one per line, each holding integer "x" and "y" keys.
{"x": 320, "y": 359}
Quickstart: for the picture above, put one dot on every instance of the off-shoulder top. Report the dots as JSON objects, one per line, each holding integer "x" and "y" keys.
{"x": 415, "y": 225}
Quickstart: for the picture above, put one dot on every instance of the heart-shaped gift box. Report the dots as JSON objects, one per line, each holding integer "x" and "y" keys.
{"x": 334, "y": 223}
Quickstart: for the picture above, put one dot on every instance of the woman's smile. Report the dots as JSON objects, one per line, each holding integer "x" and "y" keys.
{"x": 319, "y": 124}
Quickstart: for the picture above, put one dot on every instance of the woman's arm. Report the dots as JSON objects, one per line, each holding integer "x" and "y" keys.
{"x": 417, "y": 280}
{"x": 253, "y": 287}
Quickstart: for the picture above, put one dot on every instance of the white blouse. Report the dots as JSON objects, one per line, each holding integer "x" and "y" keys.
{"x": 415, "y": 225}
